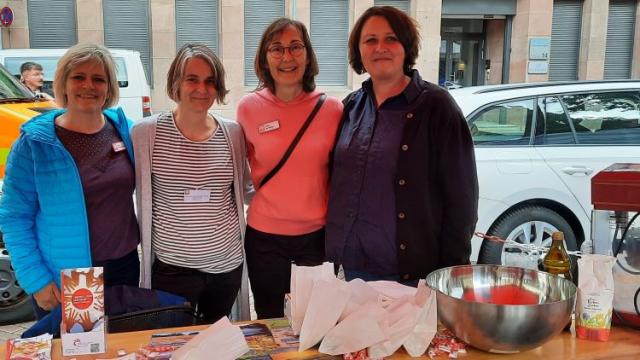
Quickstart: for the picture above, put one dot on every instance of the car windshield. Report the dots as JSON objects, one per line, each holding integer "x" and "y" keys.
{"x": 10, "y": 87}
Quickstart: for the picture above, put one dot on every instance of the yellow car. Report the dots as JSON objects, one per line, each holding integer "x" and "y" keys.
{"x": 17, "y": 105}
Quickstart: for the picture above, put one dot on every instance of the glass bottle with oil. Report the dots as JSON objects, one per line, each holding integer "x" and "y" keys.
{"x": 557, "y": 260}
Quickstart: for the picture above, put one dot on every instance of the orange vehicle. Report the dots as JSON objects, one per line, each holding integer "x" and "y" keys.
{"x": 17, "y": 105}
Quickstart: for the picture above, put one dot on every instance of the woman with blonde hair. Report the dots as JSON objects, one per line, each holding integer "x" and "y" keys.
{"x": 190, "y": 168}
{"x": 68, "y": 188}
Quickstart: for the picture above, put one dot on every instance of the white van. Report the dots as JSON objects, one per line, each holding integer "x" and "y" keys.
{"x": 135, "y": 93}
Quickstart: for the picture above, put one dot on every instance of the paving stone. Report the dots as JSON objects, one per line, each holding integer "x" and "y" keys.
{"x": 11, "y": 328}
{"x": 4, "y": 336}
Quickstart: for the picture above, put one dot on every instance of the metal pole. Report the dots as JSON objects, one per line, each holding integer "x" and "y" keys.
{"x": 506, "y": 51}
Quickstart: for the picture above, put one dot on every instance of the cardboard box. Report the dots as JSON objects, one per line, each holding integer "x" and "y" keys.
{"x": 83, "y": 322}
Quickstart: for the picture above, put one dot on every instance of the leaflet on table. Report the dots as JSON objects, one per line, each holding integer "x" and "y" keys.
{"x": 82, "y": 328}
{"x": 36, "y": 348}
{"x": 222, "y": 340}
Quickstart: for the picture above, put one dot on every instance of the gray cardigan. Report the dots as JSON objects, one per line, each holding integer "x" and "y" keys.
{"x": 143, "y": 135}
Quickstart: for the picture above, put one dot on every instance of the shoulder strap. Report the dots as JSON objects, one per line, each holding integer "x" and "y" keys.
{"x": 295, "y": 141}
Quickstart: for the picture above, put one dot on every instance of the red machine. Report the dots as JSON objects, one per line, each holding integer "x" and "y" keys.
{"x": 615, "y": 194}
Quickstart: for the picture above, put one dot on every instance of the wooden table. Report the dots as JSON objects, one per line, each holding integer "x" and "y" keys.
{"x": 623, "y": 343}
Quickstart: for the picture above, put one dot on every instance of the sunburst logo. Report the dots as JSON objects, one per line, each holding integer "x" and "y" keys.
{"x": 82, "y": 298}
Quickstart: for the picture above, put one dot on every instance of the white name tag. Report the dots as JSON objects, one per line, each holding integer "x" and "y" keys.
{"x": 197, "y": 196}
{"x": 270, "y": 126}
{"x": 118, "y": 146}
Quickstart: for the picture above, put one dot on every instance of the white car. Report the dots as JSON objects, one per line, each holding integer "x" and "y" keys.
{"x": 537, "y": 147}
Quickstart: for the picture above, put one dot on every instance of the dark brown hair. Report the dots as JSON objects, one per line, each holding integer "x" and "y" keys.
{"x": 265, "y": 80}
{"x": 404, "y": 26}
{"x": 179, "y": 65}
{"x": 30, "y": 65}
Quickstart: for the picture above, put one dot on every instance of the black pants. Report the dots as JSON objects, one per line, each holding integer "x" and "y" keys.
{"x": 269, "y": 259}
{"x": 214, "y": 294}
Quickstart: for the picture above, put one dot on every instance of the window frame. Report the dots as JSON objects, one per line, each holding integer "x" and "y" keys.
{"x": 483, "y": 108}
{"x": 539, "y": 101}
{"x": 595, "y": 92}
{"x": 557, "y": 94}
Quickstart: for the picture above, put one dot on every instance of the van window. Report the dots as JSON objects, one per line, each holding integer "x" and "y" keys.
{"x": 611, "y": 118}
{"x": 49, "y": 64}
{"x": 503, "y": 124}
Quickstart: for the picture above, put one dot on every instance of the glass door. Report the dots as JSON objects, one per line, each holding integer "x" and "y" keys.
{"x": 461, "y": 61}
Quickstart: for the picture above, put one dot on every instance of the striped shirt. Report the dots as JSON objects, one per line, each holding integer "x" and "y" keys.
{"x": 201, "y": 234}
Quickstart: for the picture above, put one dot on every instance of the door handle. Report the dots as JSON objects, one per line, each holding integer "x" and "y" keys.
{"x": 572, "y": 170}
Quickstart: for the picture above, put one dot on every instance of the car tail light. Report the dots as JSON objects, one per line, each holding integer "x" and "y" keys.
{"x": 146, "y": 106}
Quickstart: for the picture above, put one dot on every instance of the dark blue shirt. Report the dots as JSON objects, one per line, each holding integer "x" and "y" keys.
{"x": 371, "y": 154}
{"x": 435, "y": 187}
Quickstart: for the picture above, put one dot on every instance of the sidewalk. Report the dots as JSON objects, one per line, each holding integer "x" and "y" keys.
{"x": 13, "y": 331}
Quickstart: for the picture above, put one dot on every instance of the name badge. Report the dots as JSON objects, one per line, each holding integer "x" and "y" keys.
{"x": 197, "y": 196}
{"x": 270, "y": 126}
{"x": 118, "y": 146}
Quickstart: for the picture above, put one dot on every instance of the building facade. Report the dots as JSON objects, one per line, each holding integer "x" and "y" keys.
{"x": 464, "y": 42}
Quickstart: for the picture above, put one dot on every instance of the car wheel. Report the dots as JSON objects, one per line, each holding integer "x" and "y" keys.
{"x": 15, "y": 304}
{"x": 527, "y": 225}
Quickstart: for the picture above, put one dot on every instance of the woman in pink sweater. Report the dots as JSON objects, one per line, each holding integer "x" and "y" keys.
{"x": 286, "y": 217}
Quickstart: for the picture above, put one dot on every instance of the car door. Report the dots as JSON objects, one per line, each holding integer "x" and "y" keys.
{"x": 507, "y": 163}
{"x": 585, "y": 133}
{"x": 508, "y": 167}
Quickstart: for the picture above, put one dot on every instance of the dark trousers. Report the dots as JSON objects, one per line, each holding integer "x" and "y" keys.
{"x": 269, "y": 259}
{"x": 213, "y": 294}
{"x": 121, "y": 271}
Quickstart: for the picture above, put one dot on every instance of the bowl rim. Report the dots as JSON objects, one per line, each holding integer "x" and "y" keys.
{"x": 574, "y": 287}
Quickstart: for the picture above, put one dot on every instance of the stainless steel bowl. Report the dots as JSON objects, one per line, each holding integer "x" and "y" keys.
{"x": 467, "y": 297}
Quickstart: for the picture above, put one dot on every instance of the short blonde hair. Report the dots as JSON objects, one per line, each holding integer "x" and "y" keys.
{"x": 79, "y": 54}
{"x": 179, "y": 65}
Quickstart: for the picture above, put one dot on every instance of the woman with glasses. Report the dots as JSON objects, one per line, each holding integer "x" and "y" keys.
{"x": 286, "y": 217}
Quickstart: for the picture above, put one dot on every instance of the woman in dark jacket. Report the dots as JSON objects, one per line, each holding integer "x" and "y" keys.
{"x": 404, "y": 190}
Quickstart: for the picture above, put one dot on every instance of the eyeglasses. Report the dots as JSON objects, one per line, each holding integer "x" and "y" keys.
{"x": 295, "y": 49}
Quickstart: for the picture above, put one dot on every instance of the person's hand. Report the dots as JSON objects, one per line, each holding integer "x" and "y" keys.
{"x": 45, "y": 96}
{"x": 48, "y": 297}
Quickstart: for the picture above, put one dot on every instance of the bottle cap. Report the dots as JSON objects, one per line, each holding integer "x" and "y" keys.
{"x": 557, "y": 235}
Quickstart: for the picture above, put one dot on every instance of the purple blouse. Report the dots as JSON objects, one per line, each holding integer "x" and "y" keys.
{"x": 108, "y": 181}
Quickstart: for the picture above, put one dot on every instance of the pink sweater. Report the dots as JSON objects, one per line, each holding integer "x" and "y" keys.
{"x": 294, "y": 201}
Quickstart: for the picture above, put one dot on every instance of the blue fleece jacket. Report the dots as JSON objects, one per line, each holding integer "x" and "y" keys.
{"x": 43, "y": 216}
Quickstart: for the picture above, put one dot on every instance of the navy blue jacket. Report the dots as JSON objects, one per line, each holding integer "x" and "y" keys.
{"x": 436, "y": 185}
